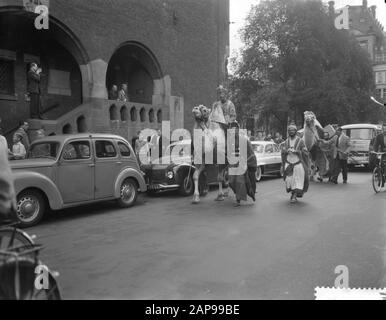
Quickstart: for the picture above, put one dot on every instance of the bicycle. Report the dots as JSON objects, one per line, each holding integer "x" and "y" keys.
{"x": 19, "y": 259}
{"x": 379, "y": 173}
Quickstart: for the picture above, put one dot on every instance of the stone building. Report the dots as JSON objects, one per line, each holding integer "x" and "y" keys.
{"x": 171, "y": 53}
{"x": 368, "y": 30}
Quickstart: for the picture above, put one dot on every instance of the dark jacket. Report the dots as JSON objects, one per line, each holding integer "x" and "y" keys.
{"x": 379, "y": 144}
{"x": 33, "y": 82}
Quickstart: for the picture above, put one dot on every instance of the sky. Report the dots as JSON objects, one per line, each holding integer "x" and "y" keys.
{"x": 240, "y": 8}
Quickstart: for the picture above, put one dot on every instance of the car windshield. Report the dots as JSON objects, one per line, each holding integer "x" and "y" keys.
{"x": 44, "y": 150}
{"x": 259, "y": 148}
{"x": 360, "y": 134}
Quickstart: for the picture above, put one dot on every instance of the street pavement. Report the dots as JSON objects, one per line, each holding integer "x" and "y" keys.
{"x": 167, "y": 248}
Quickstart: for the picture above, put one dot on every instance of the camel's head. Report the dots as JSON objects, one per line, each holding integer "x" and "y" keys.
{"x": 201, "y": 112}
{"x": 309, "y": 118}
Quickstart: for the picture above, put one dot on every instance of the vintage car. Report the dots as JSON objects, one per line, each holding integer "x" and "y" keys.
{"x": 268, "y": 156}
{"x": 72, "y": 170}
{"x": 176, "y": 173}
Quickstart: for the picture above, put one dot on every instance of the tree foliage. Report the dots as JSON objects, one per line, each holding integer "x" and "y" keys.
{"x": 295, "y": 60}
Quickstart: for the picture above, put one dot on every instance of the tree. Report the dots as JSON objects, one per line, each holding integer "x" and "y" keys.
{"x": 295, "y": 60}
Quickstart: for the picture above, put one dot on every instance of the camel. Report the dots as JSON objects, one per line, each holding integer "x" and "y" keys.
{"x": 214, "y": 139}
{"x": 313, "y": 131}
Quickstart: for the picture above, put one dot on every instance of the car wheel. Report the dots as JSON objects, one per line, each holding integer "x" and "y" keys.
{"x": 187, "y": 186}
{"x": 258, "y": 174}
{"x": 128, "y": 193}
{"x": 30, "y": 208}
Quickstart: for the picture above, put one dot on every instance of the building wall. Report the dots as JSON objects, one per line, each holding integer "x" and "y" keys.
{"x": 189, "y": 38}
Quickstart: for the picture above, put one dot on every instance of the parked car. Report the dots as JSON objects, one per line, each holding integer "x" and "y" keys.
{"x": 362, "y": 137}
{"x": 72, "y": 170}
{"x": 168, "y": 173}
{"x": 268, "y": 156}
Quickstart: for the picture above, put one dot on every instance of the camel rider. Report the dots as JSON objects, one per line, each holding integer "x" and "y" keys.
{"x": 223, "y": 110}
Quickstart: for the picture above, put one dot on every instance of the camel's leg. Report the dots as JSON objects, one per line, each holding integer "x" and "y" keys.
{"x": 220, "y": 196}
{"x": 196, "y": 175}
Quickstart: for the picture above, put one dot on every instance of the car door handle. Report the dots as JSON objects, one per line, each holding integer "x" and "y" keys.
{"x": 91, "y": 165}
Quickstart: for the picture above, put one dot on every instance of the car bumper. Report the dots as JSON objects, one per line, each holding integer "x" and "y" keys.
{"x": 160, "y": 187}
{"x": 358, "y": 161}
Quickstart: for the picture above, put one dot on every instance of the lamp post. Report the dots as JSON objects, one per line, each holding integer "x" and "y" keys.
{"x": 377, "y": 102}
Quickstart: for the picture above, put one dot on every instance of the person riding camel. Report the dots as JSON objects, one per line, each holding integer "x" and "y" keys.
{"x": 223, "y": 110}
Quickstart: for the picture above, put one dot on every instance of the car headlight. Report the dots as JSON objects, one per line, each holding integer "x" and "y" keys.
{"x": 170, "y": 174}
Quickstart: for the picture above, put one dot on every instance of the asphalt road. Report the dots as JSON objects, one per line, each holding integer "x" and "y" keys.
{"x": 166, "y": 248}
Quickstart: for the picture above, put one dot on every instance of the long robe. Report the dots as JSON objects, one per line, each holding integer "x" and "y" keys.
{"x": 245, "y": 184}
{"x": 295, "y": 166}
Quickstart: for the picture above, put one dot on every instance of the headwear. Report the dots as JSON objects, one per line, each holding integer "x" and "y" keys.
{"x": 221, "y": 88}
{"x": 292, "y": 126}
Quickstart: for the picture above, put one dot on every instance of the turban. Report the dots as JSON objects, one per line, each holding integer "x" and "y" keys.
{"x": 222, "y": 89}
{"x": 292, "y": 127}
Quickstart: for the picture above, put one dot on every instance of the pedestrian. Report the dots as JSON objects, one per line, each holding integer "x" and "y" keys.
{"x": 7, "y": 191}
{"x": 122, "y": 94}
{"x": 23, "y": 132}
{"x": 327, "y": 146}
{"x": 380, "y": 141}
{"x": 295, "y": 163}
{"x": 18, "y": 149}
{"x": 113, "y": 93}
{"x": 342, "y": 145}
{"x": 278, "y": 138}
{"x": 268, "y": 138}
{"x": 34, "y": 90}
{"x": 243, "y": 183}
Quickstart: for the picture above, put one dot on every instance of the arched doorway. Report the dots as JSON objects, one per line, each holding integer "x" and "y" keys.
{"x": 134, "y": 64}
{"x": 57, "y": 51}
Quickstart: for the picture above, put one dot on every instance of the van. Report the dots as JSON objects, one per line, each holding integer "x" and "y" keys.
{"x": 362, "y": 137}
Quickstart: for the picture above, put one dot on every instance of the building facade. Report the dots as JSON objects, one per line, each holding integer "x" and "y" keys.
{"x": 172, "y": 55}
{"x": 368, "y": 30}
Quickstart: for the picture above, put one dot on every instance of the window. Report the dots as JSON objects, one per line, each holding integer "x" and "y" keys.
{"x": 44, "y": 150}
{"x": 105, "y": 149}
{"x": 133, "y": 114}
{"x": 360, "y": 134}
{"x": 77, "y": 150}
{"x": 269, "y": 148}
{"x": 124, "y": 149}
{"x": 258, "y": 148}
{"x": 151, "y": 115}
{"x": 7, "y": 77}
{"x": 380, "y": 77}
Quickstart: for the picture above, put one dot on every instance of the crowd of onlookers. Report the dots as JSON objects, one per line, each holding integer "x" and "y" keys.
{"x": 20, "y": 141}
{"x": 261, "y": 136}
{"x": 119, "y": 95}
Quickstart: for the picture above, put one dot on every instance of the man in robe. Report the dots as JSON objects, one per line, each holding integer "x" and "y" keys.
{"x": 295, "y": 163}
{"x": 223, "y": 110}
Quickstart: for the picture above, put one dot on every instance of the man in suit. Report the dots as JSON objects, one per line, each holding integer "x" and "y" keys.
{"x": 33, "y": 88}
{"x": 342, "y": 145}
{"x": 380, "y": 141}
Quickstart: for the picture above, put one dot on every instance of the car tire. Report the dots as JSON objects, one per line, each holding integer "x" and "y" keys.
{"x": 258, "y": 174}
{"x": 187, "y": 186}
{"x": 128, "y": 193}
{"x": 30, "y": 208}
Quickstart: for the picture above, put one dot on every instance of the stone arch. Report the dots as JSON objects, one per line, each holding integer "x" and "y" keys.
{"x": 133, "y": 114}
{"x": 135, "y": 64}
{"x": 159, "y": 116}
{"x": 124, "y": 113}
{"x": 81, "y": 124}
{"x": 67, "y": 129}
{"x": 151, "y": 116}
{"x": 114, "y": 114}
{"x": 142, "y": 115}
